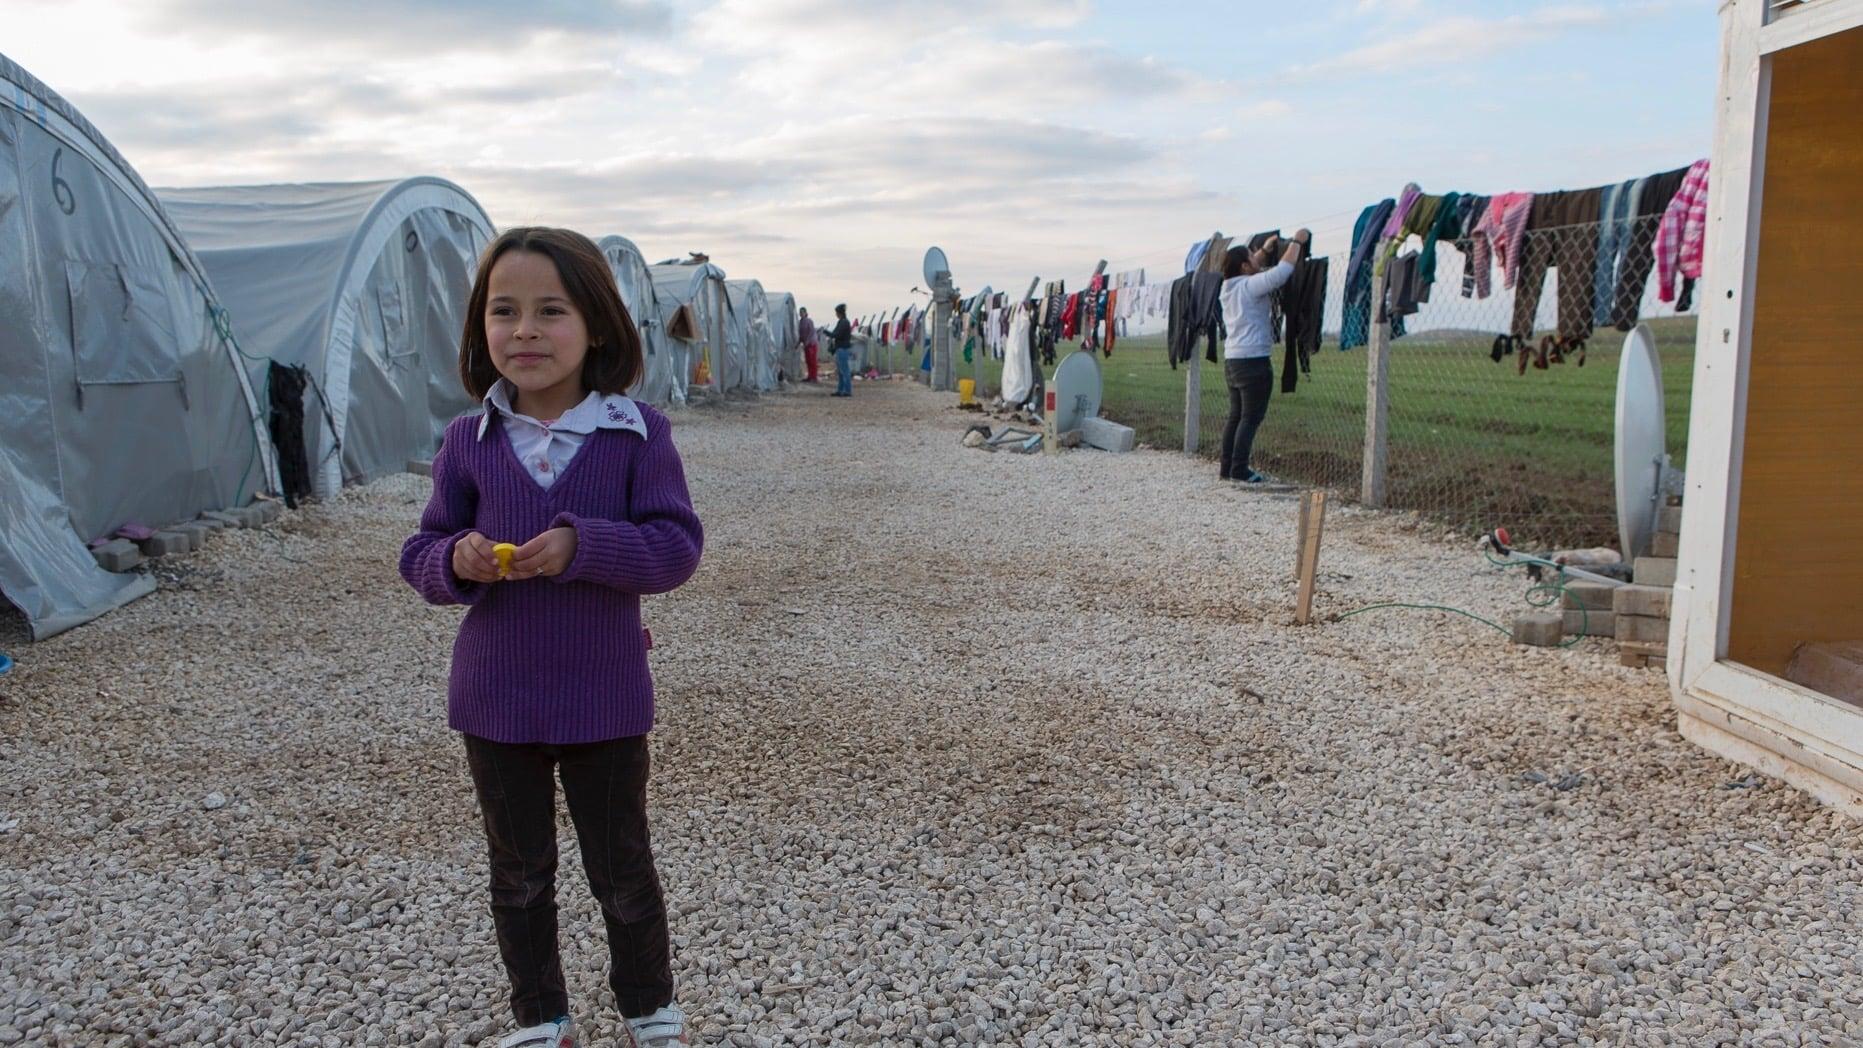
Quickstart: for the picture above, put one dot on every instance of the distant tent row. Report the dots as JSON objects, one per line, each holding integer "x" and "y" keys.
{"x": 153, "y": 344}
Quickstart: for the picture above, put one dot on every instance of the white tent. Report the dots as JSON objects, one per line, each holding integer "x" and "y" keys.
{"x": 122, "y": 398}
{"x": 783, "y": 321}
{"x": 362, "y": 283}
{"x": 700, "y": 287}
{"x": 750, "y": 327}
{"x": 661, "y": 362}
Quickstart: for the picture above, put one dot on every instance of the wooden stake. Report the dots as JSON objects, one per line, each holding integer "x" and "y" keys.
{"x": 1307, "y": 566}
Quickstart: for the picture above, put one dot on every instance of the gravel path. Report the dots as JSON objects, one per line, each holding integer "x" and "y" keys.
{"x": 953, "y": 748}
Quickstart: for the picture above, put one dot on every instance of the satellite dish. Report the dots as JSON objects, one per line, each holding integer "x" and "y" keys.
{"x": 935, "y": 263}
{"x": 1644, "y": 475}
{"x": 1076, "y": 390}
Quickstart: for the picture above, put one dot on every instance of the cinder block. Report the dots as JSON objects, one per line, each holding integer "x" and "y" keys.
{"x": 218, "y": 519}
{"x": 421, "y": 467}
{"x": 1543, "y": 629}
{"x": 1642, "y": 661}
{"x": 1594, "y": 595}
{"x": 196, "y": 531}
{"x": 1654, "y": 571}
{"x": 1669, "y": 520}
{"x": 1641, "y": 629}
{"x": 1107, "y": 435}
{"x": 117, "y": 555}
{"x": 1590, "y": 622}
{"x": 1834, "y": 668}
{"x": 269, "y": 511}
{"x": 164, "y": 544}
{"x": 1664, "y": 544}
{"x": 242, "y": 517}
{"x": 1649, "y": 601}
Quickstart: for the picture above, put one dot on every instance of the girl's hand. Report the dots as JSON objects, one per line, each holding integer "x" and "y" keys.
{"x": 473, "y": 559}
{"x": 547, "y": 554}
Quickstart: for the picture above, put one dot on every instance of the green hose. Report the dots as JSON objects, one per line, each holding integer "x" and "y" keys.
{"x": 1539, "y": 595}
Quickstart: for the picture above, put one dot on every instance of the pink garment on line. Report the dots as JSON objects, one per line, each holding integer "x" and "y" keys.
{"x": 1680, "y": 235}
{"x": 1497, "y": 238}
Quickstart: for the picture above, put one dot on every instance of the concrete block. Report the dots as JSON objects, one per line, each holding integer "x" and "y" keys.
{"x": 218, "y": 519}
{"x": 1107, "y": 435}
{"x": 196, "y": 531}
{"x": 1582, "y": 594}
{"x": 269, "y": 511}
{"x": 165, "y": 544}
{"x": 1641, "y": 629}
{"x": 1664, "y": 544}
{"x": 1590, "y": 622}
{"x": 1654, "y": 571}
{"x": 1650, "y": 601}
{"x": 1639, "y": 660}
{"x": 1544, "y": 629}
{"x": 420, "y": 467}
{"x": 1833, "y": 668}
{"x": 117, "y": 555}
{"x": 1669, "y": 520}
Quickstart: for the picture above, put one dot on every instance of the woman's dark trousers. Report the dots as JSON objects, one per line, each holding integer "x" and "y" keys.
{"x": 1251, "y": 383}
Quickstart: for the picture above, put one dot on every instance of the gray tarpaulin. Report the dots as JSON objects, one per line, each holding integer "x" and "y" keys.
{"x": 702, "y": 287}
{"x": 661, "y": 361}
{"x": 122, "y": 399}
{"x": 362, "y": 283}
{"x": 783, "y": 323}
{"x": 750, "y": 320}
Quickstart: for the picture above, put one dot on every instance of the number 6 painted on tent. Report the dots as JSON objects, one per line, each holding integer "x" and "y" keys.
{"x": 61, "y": 189}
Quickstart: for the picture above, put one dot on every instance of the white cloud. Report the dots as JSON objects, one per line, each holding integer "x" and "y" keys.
{"x": 1481, "y": 38}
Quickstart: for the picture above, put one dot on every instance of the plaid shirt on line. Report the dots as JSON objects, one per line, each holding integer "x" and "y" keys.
{"x": 1684, "y": 226}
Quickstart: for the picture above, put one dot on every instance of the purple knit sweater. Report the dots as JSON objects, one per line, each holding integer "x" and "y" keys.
{"x": 559, "y": 659}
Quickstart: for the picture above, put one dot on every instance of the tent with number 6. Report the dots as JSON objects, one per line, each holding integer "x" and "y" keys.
{"x": 122, "y": 396}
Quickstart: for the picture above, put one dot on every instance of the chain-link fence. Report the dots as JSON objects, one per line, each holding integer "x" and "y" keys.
{"x": 1500, "y": 393}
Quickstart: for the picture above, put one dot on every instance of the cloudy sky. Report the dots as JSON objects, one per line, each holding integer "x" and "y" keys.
{"x": 822, "y": 145}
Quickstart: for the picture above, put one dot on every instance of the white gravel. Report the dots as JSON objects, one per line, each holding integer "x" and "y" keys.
{"x": 954, "y": 748}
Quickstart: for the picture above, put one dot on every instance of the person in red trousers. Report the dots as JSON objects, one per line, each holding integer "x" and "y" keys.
{"x": 805, "y": 333}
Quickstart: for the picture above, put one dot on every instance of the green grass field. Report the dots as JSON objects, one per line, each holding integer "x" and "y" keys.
{"x": 1471, "y": 442}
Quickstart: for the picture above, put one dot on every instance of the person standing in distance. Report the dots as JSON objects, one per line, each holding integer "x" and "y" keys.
{"x": 805, "y": 333}
{"x": 1249, "y": 283}
{"x": 843, "y": 353}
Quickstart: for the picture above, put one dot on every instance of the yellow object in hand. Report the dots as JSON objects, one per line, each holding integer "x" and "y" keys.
{"x": 503, "y": 551}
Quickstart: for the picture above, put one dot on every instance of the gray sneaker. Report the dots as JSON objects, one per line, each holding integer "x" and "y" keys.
{"x": 665, "y": 1028}
{"x": 558, "y": 1033}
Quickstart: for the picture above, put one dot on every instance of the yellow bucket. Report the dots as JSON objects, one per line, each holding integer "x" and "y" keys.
{"x": 966, "y": 391}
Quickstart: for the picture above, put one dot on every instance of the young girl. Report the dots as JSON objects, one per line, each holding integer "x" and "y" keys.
{"x": 550, "y": 666}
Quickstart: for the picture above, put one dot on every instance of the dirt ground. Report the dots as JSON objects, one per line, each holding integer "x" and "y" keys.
{"x": 952, "y": 748}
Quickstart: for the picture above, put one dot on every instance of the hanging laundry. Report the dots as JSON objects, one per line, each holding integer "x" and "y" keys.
{"x": 1640, "y": 256}
{"x": 1497, "y": 238}
{"x": 1406, "y": 199}
{"x": 1303, "y": 301}
{"x": 1562, "y": 232}
{"x": 1112, "y": 319}
{"x": 1355, "y": 311}
{"x": 1446, "y": 224}
{"x": 1616, "y": 217}
{"x": 1679, "y": 236}
{"x": 1196, "y": 311}
{"x": 1472, "y": 209}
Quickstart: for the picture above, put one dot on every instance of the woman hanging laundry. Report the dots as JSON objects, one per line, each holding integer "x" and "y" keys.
{"x": 1248, "y": 284}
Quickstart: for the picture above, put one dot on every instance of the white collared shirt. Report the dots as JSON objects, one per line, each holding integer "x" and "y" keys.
{"x": 546, "y": 447}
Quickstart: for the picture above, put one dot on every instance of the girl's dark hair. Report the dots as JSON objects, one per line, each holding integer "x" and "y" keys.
{"x": 614, "y": 360}
{"x": 1233, "y": 260}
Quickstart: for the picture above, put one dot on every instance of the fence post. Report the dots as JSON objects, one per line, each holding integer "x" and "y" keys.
{"x": 1377, "y": 392}
{"x": 1193, "y": 402}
